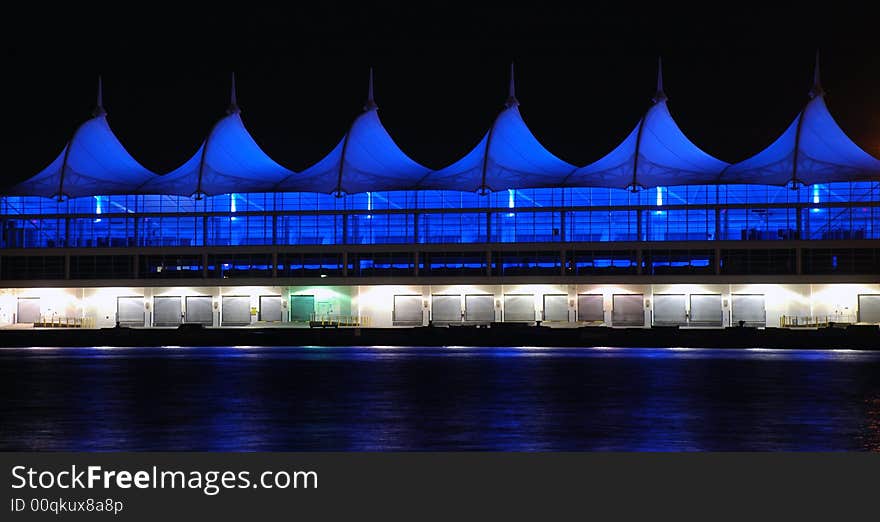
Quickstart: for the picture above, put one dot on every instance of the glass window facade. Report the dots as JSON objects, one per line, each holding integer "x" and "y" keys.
{"x": 835, "y": 211}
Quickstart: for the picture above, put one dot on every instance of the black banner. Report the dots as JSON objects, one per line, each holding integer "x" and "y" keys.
{"x": 451, "y": 486}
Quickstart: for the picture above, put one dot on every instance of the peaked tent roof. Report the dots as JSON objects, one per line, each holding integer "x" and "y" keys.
{"x": 228, "y": 161}
{"x": 92, "y": 163}
{"x": 813, "y": 149}
{"x": 366, "y": 159}
{"x": 508, "y": 156}
{"x": 655, "y": 153}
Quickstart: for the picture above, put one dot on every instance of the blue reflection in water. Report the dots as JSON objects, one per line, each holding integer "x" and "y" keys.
{"x": 452, "y": 398}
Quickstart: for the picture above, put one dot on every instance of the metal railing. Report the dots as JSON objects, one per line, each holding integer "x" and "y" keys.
{"x": 815, "y": 321}
{"x": 335, "y": 320}
{"x": 55, "y": 321}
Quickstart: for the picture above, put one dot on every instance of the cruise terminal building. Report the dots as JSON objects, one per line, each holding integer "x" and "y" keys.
{"x": 656, "y": 232}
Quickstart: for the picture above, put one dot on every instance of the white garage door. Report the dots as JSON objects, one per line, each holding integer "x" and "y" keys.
{"x": 407, "y": 309}
{"x": 556, "y": 307}
{"x": 706, "y": 310}
{"x": 519, "y": 308}
{"x": 199, "y": 309}
{"x": 446, "y": 308}
{"x": 130, "y": 311}
{"x": 628, "y": 310}
{"x": 869, "y": 308}
{"x": 590, "y": 308}
{"x": 748, "y": 308}
{"x": 669, "y": 310}
{"x": 270, "y": 308}
{"x": 166, "y": 311}
{"x": 479, "y": 308}
{"x": 28, "y": 310}
{"x": 236, "y": 310}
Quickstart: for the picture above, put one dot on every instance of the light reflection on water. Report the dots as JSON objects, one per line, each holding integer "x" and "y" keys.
{"x": 453, "y": 398}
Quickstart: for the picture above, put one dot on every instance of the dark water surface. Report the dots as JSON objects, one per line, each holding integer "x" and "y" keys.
{"x": 382, "y": 398}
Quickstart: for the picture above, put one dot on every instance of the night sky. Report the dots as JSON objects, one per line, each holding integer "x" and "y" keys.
{"x": 735, "y": 76}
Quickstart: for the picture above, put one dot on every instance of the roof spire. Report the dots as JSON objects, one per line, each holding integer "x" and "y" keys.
{"x": 816, "y": 90}
{"x": 660, "y": 96}
{"x": 99, "y": 106}
{"x": 511, "y": 91}
{"x": 371, "y": 103}
{"x": 233, "y": 102}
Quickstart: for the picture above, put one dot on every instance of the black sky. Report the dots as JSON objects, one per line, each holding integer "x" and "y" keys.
{"x": 736, "y": 76}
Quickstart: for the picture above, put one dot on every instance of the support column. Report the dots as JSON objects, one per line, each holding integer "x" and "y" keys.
{"x": 717, "y": 261}
{"x": 136, "y": 233}
{"x": 562, "y": 227}
{"x": 415, "y": 227}
{"x": 799, "y": 261}
{"x": 274, "y": 264}
{"x": 345, "y": 229}
{"x": 148, "y": 306}
{"x": 639, "y": 225}
{"x": 216, "y": 304}
{"x": 416, "y": 264}
{"x": 639, "y": 261}
{"x": 345, "y": 264}
{"x": 488, "y": 227}
{"x": 562, "y": 262}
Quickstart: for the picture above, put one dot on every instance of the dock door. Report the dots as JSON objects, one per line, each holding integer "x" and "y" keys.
{"x": 669, "y": 310}
{"x": 445, "y": 309}
{"x": 556, "y": 307}
{"x": 28, "y": 310}
{"x": 302, "y": 307}
{"x": 270, "y": 308}
{"x": 706, "y": 310}
{"x": 199, "y": 309}
{"x": 479, "y": 308}
{"x": 407, "y": 310}
{"x": 236, "y": 310}
{"x": 519, "y": 308}
{"x": 869, "y": 308}
{"x": 748, "y": 308}
{"x": 166, "y": 311}
{"x": 591, "y": 308}
{"x": 627, "y": 310}
{"x": 130, "y": 310}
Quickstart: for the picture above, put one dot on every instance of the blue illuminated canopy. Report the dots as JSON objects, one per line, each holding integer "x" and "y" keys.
{"x": 93, "y": 162}
{"x": 365, "y": 160}
{"x": 813, "y": 149}
{"x": 655, "y": 153}
{"x": 228, "y": 161}
{"x": 509, "y": 156}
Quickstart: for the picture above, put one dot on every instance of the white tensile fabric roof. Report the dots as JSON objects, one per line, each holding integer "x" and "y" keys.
{"x": 92, "y": 163}
{"x": 655, "y": 153}
{"x": 508, "y": 157}
{"x": 366, "y": 159}
{"x": 813, "y": 149}
{"x": 228, "y": 161}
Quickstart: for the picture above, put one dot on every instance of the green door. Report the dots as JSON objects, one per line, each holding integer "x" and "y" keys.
{"x": 301, "y": 308}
